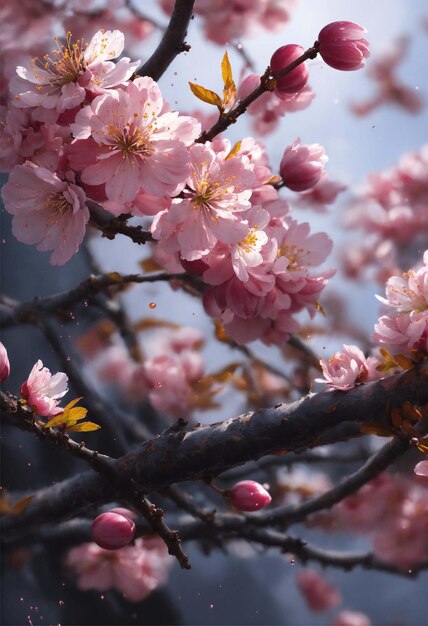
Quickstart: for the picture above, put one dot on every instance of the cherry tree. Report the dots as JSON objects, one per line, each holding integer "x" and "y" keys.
{"x": 322, "y": 446}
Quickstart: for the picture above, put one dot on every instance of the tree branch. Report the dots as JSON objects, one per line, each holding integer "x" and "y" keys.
{"x": 172, "y": 42}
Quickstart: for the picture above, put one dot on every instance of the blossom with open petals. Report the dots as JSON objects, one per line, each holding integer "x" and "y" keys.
{"x": 43, "y": 391}
{"x": 345, "y": 369}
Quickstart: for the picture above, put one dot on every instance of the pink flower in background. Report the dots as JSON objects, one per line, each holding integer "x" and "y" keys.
{"x": 345, "y": 369}
{"x": 140, "y": 146}
{"x": 319, "y": 593}
{"x": 294, "y": 81}
{"x": 43, "y": 392}
{"x": 351, "y": 618}
{"x": 421, "y": 469}
{"x": 301, "y": 167}
{"x": 342, "y": 45}
{"x": 60, "y": 82}
{"x": 408, "y": 292}
{"x": 135, "y": 570}
{"x": 47, "y": 211}
{"x": 217, "y": 191}
{"x": 4, "y": 363}
{"x": 324, "y": 192}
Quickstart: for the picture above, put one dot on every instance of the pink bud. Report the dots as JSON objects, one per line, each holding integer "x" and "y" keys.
{"x": 302, "y": 166}
{"x": 294, "y": 81}
{"x": 4, "y": 363}
{"x": 248, "y": 495}
{"x": 112, "y": 531}
{"x": 342, "y": 46}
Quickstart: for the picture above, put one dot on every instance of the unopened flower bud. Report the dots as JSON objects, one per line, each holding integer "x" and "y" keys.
{"x": 248, "y": 495}
{"x": 112, "y": 531}
{"x": 302, "y": 166}
{"x": 342, "y": 46}
{"x": 294, "y": 81}
{"x": 4, "y": 363}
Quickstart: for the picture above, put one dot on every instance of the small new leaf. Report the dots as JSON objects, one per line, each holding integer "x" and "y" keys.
{"x": 236, "y": 148}
{"x": 206, "y": 95}
{"x": 229, "y": 90}
{"x": 85, "y": 427}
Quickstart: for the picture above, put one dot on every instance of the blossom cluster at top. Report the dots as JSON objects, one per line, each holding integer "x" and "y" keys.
{"x": 80, "y": 125}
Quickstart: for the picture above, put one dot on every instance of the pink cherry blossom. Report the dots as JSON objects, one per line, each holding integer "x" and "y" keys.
{"x": 135, "y": 570}
{"x": 4, "y": 363}
{"x": 319, "y": 593}
{"x": 60, "y": 81}
{"x": 324, "y": 192}
{"x": 301, "y": 167}
{"x": 342, "y": 46}
{"x": 47, "y": 211}
{"x": 421, "y": 469}
{"x": 217, "y": 191}
{"x": 345, "y": 369}
{"x": 43, "y": 391}
{"x": 294, "y": 81}
{"x": 351, "y": 618}
{"x": 140, "y": 146}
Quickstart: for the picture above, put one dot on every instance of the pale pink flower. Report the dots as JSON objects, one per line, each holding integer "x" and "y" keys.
{"x": 342, "y": 46}
{"x": 319, "y": 593}
{"x": 135, "y": 570}
{"x": 421, "y": 469}
{"x": 408, "y": 331}
{"x": 345, "y": 369}
{"x": 139, "y": 145}
{"x": 324, "y": 192}
{"x": 301, "y": 167}
{"x": 4, "y": 363}
{"x": 217, "y": 191}
{"x": 47, "y": 211}
{"x": 408, "y": 292}
{"x": 43, "y": 392}
{"x": 351, "y": 618}
{"x": 60, "y": 81}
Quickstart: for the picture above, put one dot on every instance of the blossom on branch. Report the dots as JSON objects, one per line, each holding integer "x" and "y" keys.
{"x": 43, "y": 391}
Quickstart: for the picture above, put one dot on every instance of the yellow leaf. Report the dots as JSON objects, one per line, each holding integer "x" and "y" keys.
{"x": 404, "y": 362}
{"x": 84, "y": 428}
{"x": 115, "y": 276}
{"x": 20, "y": 506}
{"x": 206, "y": 95}
{"x": 149, "y": 265}
{"x": 72, "y": 403}
{"x": 236, "y": 148}
{"x": 387, "y": 356}
{"x": 68, "y": 416}
{"x": 320, "y": 309}
{"x": 229, "y": 90}
{"x": 223, "y": 375}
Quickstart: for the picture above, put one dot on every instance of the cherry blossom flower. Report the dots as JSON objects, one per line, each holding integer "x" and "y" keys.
{"x": 4, "y": 363}
{"x": 351, "y": 618}
{"x": 43, "y": 391}
{"x": 134, "y": 570}
{"x": 301, "y": 167}
{"x": 345, "y": 369}
{"x": 46, "y": 210}
{"x": 342, "y": 46}
{"x": 60, "y": 81}
{"x": 319, "y": 593}
{"x": 140, "y": 146}
{"x": 217, "y": 191}
{"x": 421, "y": 469}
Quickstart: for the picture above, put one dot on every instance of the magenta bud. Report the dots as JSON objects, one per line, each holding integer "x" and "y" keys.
{"x": 294, "y": 81}
{"x": 302, "y": 166}
{"x": 4, "y": 363}
{"x": 342, "y": 45}
{"x": 112, "y": 531}
{"x": 248, "y": 495}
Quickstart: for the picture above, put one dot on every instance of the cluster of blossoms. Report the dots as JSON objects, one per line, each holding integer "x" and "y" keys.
{"x": 391, "y": 209}
{"x": 228, "y": 20}
{"x": 170, "y": 375}
{"x": 393, "y": 511}
{"x": 135, "y": 570}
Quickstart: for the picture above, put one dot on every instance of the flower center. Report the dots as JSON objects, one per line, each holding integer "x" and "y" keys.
{"x": 57, "y": 205}
{"x": 64, "y": 66}
{"x": 251, "y": 241}
{"x": 130, "y": 140}
{"x": 293, "y": 254}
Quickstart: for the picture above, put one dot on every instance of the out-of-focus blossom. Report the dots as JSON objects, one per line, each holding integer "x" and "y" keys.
{"x": 351, "y": 618}
{"x": 323, "y": 193}
{"x": 342, "y": 45}
{"x": 319, "y": 593}
{"x": 294, "y": 81}
{"x": 43, "y": 391}
{"x": 135, "y": 570}
{"x": 47, "y": 211}
{"x": 4, "y": 363}
{"x": 138, "y": 144}
{"x": 421, "y": 469}
{"x": 301, "y": 167}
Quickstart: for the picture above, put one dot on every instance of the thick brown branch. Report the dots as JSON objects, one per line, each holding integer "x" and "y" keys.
{"x": 204, "y": 451}
{"x": 172, "y": 42}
